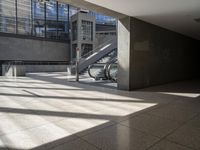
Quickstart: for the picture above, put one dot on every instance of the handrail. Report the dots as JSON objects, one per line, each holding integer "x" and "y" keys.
{"x": 95, "y": 77}
{"x": 96, "y": 49}
{"x": 109, "y": 72}
{"x": 107, "y": 66}
{"x": 105, "y": 69}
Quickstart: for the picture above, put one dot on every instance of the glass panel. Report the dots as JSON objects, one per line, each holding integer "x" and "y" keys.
{"x": 7, "y": 16}
{"x": 51, "y": 20}
{"x": 87, "y": 30}
{"x": 31, "y": 18}
{"x": 74, "y": 30}
{"x": 38, "y": 19}
{"x": 85, "y": 48}
{"x": 103, "y": 19}
{"x": 63, "y": 21}
{"x": 24, "y": 17}
{"x": 72, "y": 10}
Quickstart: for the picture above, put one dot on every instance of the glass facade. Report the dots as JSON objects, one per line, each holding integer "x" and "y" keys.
{"x": 86, "y": 30}
{"x": 7, "y": 16}
{"x": 51, "y": 20}
{"x": 48, "y": 20}
{"x": 63, "y": 21}
{"x": 38, "y": 18}
{"x": 24, "y": 17}
{"x": 103, "y": 19}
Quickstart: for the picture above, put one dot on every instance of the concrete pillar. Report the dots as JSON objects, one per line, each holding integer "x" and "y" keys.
{"x": 124, "y": 53}
{"x": 150, "y": 55}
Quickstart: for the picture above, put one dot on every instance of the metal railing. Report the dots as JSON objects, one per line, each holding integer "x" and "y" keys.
{"x": 96, "y": 49}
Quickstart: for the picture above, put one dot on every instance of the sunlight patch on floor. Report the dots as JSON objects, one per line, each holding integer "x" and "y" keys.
{"x": 192, "y": 95}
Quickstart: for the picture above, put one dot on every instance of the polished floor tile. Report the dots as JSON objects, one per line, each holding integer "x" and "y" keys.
{"x": 119, "y": 137}
{"x": 75, "y": 145}
{"x": 80, "y": 126}
{"x": 186, "y": 135}
{"x": 43, "y": 111}
{"x": 48, "y": 135}
{"x": 13, "y": 123}
{"x": 195, "y": 122}
{"x": 151, "y": 124}
{"x": 167, "y": 145}
{"x": 174, "y": 113}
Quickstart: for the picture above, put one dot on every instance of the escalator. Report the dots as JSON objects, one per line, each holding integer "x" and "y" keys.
{"x": 104, "y": 71}
{"x": 95, "y": 55}
{"x": 111, "y": 71}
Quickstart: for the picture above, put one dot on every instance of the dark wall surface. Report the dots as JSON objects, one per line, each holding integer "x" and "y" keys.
{"x": 159, "y": 56}
{"x": 12, "y": 48}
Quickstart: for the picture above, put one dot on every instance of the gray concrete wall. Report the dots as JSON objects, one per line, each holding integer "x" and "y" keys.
{"x": 12, "y": 48}
{"x": 45, "y": 68}
{"x": 159, "y": 56}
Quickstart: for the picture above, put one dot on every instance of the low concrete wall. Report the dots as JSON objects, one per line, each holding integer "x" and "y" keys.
{"x": 45, "y": 68}
{"x": 12, "y": 48}
{"x": 21, "y": 70}
{"x": 13, "y": 70}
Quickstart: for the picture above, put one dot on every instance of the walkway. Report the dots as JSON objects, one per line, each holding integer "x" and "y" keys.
{"x": 45, "y": 111}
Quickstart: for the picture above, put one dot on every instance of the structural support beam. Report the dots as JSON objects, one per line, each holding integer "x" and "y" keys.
{"x": 124, "y": 53}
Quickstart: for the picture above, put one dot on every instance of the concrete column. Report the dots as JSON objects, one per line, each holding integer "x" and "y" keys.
{"x": 124, "y": 55}
{"x": 149, "y": 55}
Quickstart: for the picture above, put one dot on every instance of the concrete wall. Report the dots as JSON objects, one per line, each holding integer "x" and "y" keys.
{"x": 12, "y": 48}
{"x": 21, "y": 70}
{"x": 45, "y": 68}
{"x": 155, "y": 55}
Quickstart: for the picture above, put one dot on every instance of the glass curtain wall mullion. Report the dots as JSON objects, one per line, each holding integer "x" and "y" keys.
{"x": 38, "y": 19}
{"x": 8, "y": 16}
{"x": 68, "y": 20}
{"x": 51, "y": 20}
{"x": 63, "y": 21}
{"x": 45, "y": 19}
{"x": 31, "y": 17}
{"x": 24, "y": 17}
{"x": 57, "y": 15}
{"x": 16, "y": 17}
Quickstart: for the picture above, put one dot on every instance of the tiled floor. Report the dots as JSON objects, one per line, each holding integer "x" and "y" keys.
{"x": 52, "y": 112}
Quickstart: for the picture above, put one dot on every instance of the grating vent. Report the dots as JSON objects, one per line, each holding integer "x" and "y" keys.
{"x": 197, "y": 20}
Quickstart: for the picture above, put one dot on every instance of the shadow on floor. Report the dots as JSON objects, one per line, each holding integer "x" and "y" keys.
{"x": 148, "y": 95}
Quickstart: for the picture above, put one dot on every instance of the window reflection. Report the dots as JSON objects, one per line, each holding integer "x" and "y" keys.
{"x": 24, "y": 17}
{"x": 51, "y": 20}
{"x": 38, "y": 19}
{"x": 7, "y": 16}
{"x": 42, "y": 19}
{"x": 63, "y": 21}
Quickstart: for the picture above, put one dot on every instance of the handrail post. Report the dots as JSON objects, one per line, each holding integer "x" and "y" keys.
{"x": 77, "y": 70}
{"x": 77, "y": 63}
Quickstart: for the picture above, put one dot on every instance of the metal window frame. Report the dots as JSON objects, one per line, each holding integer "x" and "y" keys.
{"x": 45, "y": 22}
{"x": 16, "y": 18}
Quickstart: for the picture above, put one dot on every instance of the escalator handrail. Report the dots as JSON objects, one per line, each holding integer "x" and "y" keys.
{"x": 105, "y": 69}
{"x": 109, "y": 74}
{"x": 90, "y": 66}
